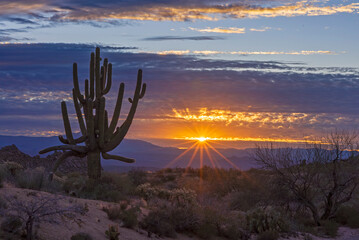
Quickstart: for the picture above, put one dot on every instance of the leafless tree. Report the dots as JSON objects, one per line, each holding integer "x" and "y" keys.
{"x": 321, "y": 177}
{"x": 40, "y": 208}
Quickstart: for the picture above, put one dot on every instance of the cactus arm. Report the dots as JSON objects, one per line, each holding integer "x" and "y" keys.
{"x": 119, "y": 158}
{"x": 97, "y": 73}
{"x": 104, "y": 74}
{"x": 112, "y": 144}
{"x": 76, "y": 141}
{"x": 79, "y": 113}
{"x": 143, "y": 91}
{"x": 116, "y": 113}
{"x": 106, "y": 121}
{"x": 79, "y": 149}
{"x": 76, "y": 84}
{"x": 102, "y": 78}
{"x": 62, "y": 159}
{"x": 90, "y": 122}
{"x": 87, "y": 93}
{"x": 101, "y": 122}
{"x": 92, "y": 75}
{"x": 67, "y": 126}
{"x": 109, "y": 80}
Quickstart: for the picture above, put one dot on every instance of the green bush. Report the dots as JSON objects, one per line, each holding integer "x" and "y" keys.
{"x": 349, "y": 216}
{"x": 209, "y": 224}
{"x": 31, "y": 178}
{"x": 81, "y": 236}
{"x": 167, "y": 219}
{"x": 127, "y": 216}
{"x": 1, "y": 180}
{"x": 259, "y": 220}
{"x": 330, "y": 228}
{"x": 112, "y": 187}
{"x": 112, "y": 233}
{"x": 11, "y": 224}
{"x": 268, "y": 235}
{"x": 137, "y": 177}
{"x": 159, "y": 222}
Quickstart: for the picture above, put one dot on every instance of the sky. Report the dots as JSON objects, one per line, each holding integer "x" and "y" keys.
{"x": 231, "y": 71}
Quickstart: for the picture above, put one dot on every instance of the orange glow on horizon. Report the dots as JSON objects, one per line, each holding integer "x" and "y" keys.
{"x": 248, "y": 139}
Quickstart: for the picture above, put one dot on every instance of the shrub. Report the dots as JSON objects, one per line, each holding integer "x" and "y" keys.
{"x": 111, "y": 187}
{"x": 349, "y": 216}
{"x": 11, "y": 224}
{"x": 1, "y": 180}
{"x": 159, "y": 222}
{"x": 81, "y": 236}
{"x": 260, "y": 220}
{"x": 127, "y": 216}
{"x": 177, "y": 196}
{"x": 330, "y": 228}
{"x": 112, "y": 233}
{"x": 268, "y": 235}
{"x": 31, "y": 178}
{"x": 167, "y": 219}
{"x": 13, "y": 168}
{"x": 137, "y": 176}
{"x": 209, "y": 224}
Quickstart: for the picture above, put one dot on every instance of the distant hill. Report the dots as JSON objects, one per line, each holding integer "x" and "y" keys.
{"x": 147, "y": 155}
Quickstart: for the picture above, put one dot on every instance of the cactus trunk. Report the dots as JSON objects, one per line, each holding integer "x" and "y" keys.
{"x": 94, "y": 165}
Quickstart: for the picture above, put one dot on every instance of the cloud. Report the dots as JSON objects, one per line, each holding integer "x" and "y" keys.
{"x": 303, "y": 52}
{"x": 168, "y": 10}
{"x": 245, "y": 98}
{"x": 260, "y": 29}
{"x": 213, "y": 52}
{"x": 220, "y": 30}
{"x": 262, "y": 119}
{"x": 193, "y": 38}
{"x": 21, "y": 20}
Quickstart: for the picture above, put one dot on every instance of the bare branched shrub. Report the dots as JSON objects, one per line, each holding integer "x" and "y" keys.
{"x": 39, "y": 208}
{"x": 321, "y": 177}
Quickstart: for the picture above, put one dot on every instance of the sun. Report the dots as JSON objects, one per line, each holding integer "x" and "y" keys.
{"x": 202, "y": 139}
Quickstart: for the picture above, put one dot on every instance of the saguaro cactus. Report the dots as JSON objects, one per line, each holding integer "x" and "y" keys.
{"x": 98, "y": 134}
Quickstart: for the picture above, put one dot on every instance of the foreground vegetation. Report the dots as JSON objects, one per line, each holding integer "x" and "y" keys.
{"x": 223, "y": 203}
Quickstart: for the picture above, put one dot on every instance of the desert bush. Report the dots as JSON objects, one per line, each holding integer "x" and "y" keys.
{"x": 159, "y": 222}
{"x": 81, "y": 236}
{"x": 13, "y": 167}
{"x": 330, "y": 228}
{"x": 349, "y": 216}
{"x": 31, "y": 178}
{"x": 268, "y": 235}
{"x": 178, "y": 196}
{"x": 3, "y": 204}
{"x": 111, "y": 187}
{"x": 137, "y": 176}
{"x": 112, "y": 233}
{"x": 8, "y": 171}
{"x": 39, "y": 208}
{"x": 127, "y": 216}
{"x": 260, "y": 220}
{"x": 1, "y": 181}
{"x": 11, "y": 224}
{"x": 209, "y": 224}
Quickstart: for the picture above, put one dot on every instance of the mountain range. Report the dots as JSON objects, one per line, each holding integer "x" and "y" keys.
{"x": 147, "y": 155}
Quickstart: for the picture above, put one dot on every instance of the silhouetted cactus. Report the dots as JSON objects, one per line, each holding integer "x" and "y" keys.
{"x": 98, "y": 134}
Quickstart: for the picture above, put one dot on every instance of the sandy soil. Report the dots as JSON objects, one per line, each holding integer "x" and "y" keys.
{"x": 95, "y": 221}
